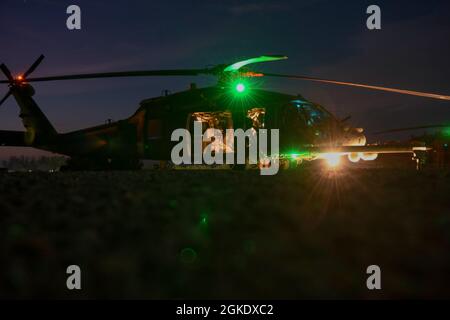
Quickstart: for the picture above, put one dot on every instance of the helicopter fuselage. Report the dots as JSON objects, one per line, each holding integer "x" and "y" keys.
{"x": 147, "y": 133}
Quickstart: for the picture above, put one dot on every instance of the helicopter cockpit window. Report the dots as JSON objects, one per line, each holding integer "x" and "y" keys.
{"x": 220, "y": 120}
{"x": 311, "y": 113}
{"x": 257, "y": 116}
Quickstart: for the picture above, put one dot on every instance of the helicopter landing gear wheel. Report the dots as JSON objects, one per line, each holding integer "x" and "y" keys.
{"x": 286, "y": 164}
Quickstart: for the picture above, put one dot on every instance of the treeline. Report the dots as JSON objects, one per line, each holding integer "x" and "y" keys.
{"x": 43, "y": 163}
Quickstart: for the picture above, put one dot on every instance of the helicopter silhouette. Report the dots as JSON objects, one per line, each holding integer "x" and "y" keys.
{"x": 308, "y": 131}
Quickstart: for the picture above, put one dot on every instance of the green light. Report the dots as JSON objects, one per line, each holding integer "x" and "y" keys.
{"x": 299, "y": 154}
{"x": 204, "y": 220}
{"x": 240, "y": 87}
{"x": 446, "y": 131}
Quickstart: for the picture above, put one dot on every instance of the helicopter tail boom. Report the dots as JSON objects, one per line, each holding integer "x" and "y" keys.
{"x": 39, "y": 130}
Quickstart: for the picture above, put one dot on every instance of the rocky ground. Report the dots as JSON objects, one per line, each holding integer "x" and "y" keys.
{"x": 307, "y": 233}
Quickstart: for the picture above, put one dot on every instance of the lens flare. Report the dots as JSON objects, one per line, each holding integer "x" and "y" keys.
{"x": 240, "y": 87}
{"x": 332, "y": 159}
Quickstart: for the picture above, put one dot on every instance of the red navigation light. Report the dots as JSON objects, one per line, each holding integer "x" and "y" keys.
{"x": 252, "y": 74}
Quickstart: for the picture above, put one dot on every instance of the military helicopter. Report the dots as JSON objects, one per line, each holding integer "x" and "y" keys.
{"x": 308, "y": 131}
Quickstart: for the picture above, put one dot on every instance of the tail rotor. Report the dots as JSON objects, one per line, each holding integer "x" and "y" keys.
{"x": 19, "y": 80}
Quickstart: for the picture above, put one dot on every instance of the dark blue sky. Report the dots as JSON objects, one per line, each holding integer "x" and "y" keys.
{"x": 322, "y": 38}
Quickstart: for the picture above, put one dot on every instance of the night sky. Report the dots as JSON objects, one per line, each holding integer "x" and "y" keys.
{"x": 322, "y": 38}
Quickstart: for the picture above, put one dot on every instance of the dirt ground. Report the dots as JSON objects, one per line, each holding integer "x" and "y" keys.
{"x": 307, "y": 233}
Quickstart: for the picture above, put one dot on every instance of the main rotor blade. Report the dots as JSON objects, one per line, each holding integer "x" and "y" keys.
{"x": 5, "y": 97}
{"x": 413, "y": 128}
{"x": 34, "y": 66}
{"x": 147, "y": 73}
{"x": 7, "y": 73}
{"x": 237, "y": 65}
{"x": 359, "y": 85}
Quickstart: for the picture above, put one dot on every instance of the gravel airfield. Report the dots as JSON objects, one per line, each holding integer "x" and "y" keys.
{"x": 306, "y": 233}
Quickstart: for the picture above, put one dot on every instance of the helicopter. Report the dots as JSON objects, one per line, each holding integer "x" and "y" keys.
{"x": 307, "y": 130}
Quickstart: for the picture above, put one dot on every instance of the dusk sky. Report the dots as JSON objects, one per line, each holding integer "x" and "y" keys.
{"x": 321, "y": 38}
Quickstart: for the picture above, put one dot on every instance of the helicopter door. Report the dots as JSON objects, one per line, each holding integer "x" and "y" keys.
{"x": 295, "y": 128}
{"x": 153, "y": 137}
{"x": 257, "y": 117}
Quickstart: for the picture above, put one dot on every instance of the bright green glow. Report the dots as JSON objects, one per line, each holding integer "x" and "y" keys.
{"x": 299, "y": 154}
{"x": 240, "y": 87}
{"x": 204, "y": 219}
{"x": 236, "y": 66}
{"x": 446, "y": 132}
